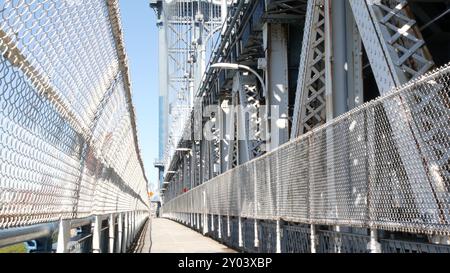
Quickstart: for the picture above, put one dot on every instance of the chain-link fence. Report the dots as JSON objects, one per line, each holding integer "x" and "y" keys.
{"x": 350, "y": 172}
{"x": 68, "y": 141}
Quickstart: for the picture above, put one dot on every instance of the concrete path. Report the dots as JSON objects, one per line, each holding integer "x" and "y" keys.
{"x": 170, "y": 237}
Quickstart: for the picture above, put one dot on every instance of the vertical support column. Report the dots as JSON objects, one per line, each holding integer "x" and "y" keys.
{"x": 163, "y": 79}
{"x": 275, "y": 46}
{"x": 219, "y": 223}
{"x": 96, "y": 236}
{"x": 125, "y": 233}
{"x": 135, "y": 226}
{"x": 313, "y": 239}
{"x": 186, "y": 170}
{"x": 205, "y": 214}
{"x": 198, "y": 220}
{"x": 241, "y": 241}
{"x": 119, "y": 233}
{"x": 63, "y": 236}
{"x": 241, "y": 121}
{"x": 255, "y": 192}
{"x": 130, "y": 229}
{"x": 278, "y": 237}
{"x": 112, "y": 226}
{"x": 354, "y": 60}
{"x": 339, "y": 59}
{"x": 225, "y": 137}
{"x": 375, "y": 246}
{"x": 228, "y": 226}
{"x": 338, "y": 89}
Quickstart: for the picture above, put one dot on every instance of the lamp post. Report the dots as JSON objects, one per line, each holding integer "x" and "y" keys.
{"x": 234, "y": 66}
{"x": 242, "y": 67}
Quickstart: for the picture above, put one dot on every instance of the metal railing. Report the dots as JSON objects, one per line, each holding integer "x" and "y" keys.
{"x": 346, "y": 173}
{"x": 114, "y": 233}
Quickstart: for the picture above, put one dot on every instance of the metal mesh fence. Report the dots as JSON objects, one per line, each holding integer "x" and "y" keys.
{"x": 68, "y": 142}
{"x": 359, "y": 170}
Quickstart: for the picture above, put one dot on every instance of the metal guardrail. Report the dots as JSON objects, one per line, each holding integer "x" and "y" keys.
{"x": 347, "y": 172}
{"x": 115, "y": 233}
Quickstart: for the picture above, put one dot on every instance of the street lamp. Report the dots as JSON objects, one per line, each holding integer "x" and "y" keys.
{"x": 243, "y": 67}
{"x": 182, "y": 149}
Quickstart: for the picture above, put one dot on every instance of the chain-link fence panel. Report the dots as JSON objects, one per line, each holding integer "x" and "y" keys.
{"x": 68, "y": 137}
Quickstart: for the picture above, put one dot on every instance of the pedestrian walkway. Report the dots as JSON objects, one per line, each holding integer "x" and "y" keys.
{"x": 170, "y": 237}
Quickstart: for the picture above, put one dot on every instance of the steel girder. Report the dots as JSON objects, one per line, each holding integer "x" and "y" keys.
{"x": 310, "y": 102}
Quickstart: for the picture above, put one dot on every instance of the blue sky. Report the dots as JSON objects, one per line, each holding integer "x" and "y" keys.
{"x": 141, "y": 39}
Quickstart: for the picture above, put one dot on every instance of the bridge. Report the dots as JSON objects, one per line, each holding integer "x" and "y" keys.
{"x": 285, "y": 126}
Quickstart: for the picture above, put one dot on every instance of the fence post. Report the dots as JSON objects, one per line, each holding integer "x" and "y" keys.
{"x": 119, "y": 233}
{"x": 125, "y": 233}
{"x": 278, "y": 237}
{"x": 63, "y": 236}
{"x": 112, "y": 226}
{"x": 255, "y": 204}
{"x": 313, "y": 239}
{"x": 219, "y": 223}
{"x": 198, "y": 220}
{"x": 205, "y": 215}
{"x": 96, "y": 236}
{"x": 256, "y": 242}
{"x": 241, "y": 241}
{"x": 375, "y": 246}
{"x": 133, "y": 226}
{"x": 228, "y": 226}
